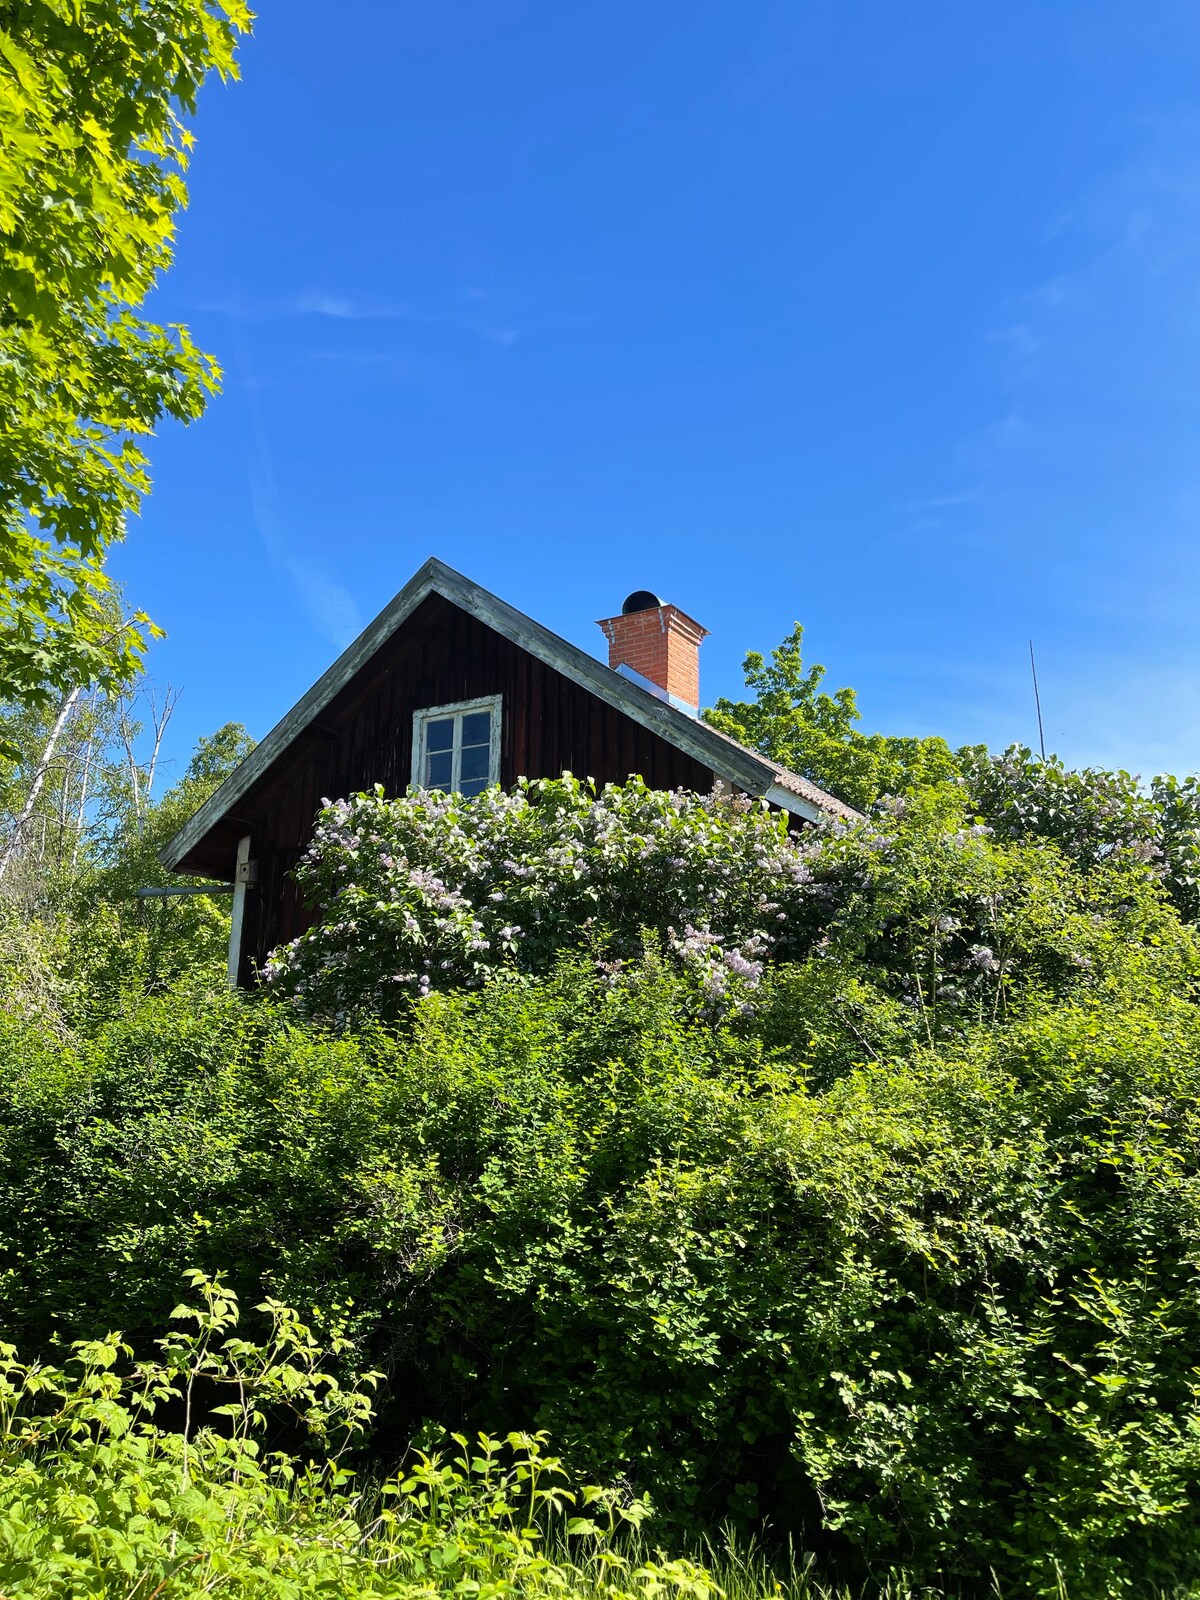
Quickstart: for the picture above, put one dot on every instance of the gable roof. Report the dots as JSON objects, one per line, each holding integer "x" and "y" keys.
{"x": 743, "y": 768}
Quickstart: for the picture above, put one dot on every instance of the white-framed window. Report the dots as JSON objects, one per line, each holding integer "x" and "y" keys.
{"x": 457, "y": 748}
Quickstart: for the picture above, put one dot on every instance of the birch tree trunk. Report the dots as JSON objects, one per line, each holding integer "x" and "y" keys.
{"x": 39, "y": 779}
{"x": 159, "y": 718}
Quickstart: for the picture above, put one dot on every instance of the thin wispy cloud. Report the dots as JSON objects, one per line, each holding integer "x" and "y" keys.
{"x": 1018, "y": 337}
{"x": 1086, "y": 486}
{"x": 378, "y": 363}
{"x": 342, "y": 308}
{"x": 330, "y": 306}
{"x": 330, "y": 606}
{"x": 475, "y": 312}
{"x": 307, "y": 303}
{"x": 935, "y": 502}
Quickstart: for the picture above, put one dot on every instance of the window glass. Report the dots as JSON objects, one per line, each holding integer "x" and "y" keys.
{"x": 476, "y": 729}
{"x": 456, "y": 749}
{"x": 439, "y": 769}
{"x": 475, "y": 761}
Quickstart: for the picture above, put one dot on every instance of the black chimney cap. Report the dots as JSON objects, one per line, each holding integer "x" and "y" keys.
{"x": 640, "y": 600}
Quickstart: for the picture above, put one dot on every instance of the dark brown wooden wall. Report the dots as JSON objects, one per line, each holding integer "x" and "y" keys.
{"x": 440, "y": 655}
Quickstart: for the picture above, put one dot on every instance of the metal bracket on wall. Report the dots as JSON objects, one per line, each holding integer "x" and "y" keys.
{"x": 243, "y": 877}
{"x": 152, "y": 893}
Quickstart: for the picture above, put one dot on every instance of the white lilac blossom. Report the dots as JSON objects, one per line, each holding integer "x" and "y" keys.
{"x": 741, "y": 967}
{"x": 983, "y": 958}
{"x": 432, "y": 889}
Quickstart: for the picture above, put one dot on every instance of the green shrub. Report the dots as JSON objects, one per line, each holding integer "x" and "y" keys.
{"x": 937, "y": 1313}
{"x": 98, "y": 1498}
{"x": 1092, "y": 814}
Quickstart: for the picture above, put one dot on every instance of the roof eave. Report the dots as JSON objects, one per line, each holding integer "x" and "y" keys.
{"x": 797, "y": 804}
{"x": 222, "y": 800}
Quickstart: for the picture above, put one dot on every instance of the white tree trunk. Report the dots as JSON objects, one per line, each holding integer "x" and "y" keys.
{"x": 39, "y": 779}
{"x": 159, "y": 718}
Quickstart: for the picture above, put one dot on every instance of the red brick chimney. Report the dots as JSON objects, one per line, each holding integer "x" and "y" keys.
{"x": 659, "y": 646}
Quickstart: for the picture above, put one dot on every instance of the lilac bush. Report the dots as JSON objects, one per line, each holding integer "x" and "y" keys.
{"x": 1093, "y": 815}
{"x": 921, "y": 907}
{"x": 432, "y": 891}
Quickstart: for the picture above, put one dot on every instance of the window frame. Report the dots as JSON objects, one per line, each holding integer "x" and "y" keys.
{"x": 457, "y": 709}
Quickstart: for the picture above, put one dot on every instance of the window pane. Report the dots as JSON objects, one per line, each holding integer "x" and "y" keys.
{"x": 477, "y": 728}
{"x": 475, "y": 786}
{"x": 439, "y": 735}
{"x": 438, "y": 769}
{"x": 474, "y": 765}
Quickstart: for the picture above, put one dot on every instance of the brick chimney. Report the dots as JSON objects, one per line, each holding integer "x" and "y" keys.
{"x": 657, "y": 646}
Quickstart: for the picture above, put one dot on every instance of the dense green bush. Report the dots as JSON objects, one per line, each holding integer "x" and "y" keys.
{"x": 98, "y": 1497}
{"x": 843, "y": 1185}
{"x": 940, "y": 1312}
{"x": 71, "y": 972}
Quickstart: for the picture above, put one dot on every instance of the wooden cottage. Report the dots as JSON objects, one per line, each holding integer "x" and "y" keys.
{"x": 450, "y": 688}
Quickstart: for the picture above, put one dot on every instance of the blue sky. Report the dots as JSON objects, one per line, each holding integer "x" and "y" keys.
{"x": 882, "y": 318}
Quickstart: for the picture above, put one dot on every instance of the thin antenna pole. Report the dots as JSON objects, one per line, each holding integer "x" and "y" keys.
{"x": 1037, "y": 700}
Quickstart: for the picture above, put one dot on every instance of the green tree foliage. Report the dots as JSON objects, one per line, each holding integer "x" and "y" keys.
{"x": 214, "y": 758}
{"x": 125, "y": 852}
{"x": 793, "y": 721}
{"x": 75, "y": 940}
{"x": 150, "y": 944}
{"x": 93, "y": 148}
